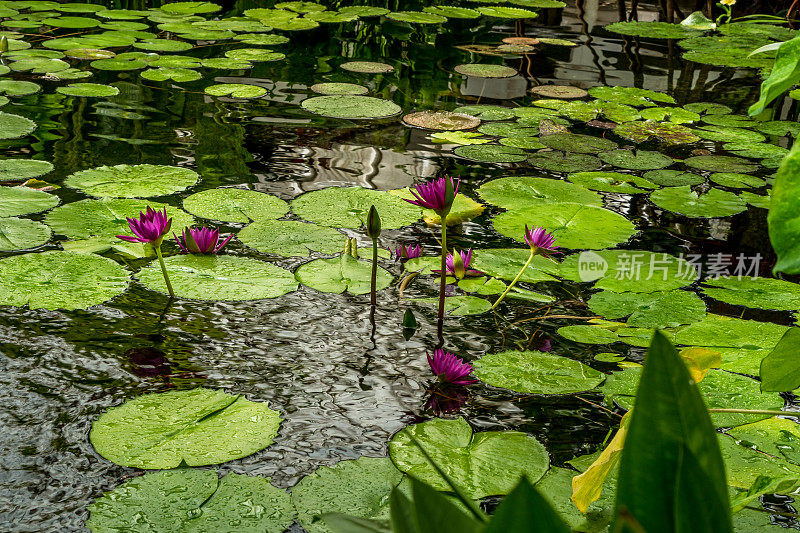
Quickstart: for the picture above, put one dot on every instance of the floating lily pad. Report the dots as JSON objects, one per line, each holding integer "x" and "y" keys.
{"x": 631, "y": 96}
{"x": 351, "y": 107}
{"x": 178, "y": 75}
{"x": 629, "y": 270}
{"x": 564, "y": 162}
{"x": 236, "y": 90}
{"x": 708, "y": 108}
{"x": 15, "y": 126}
{"x": 487, "y": 112}
{"x": 559, "y": 91}
{"x": 574, "y": 143}
{"x": 683, "y": 200}
{"x": 226, "y": 63}
{"x": 452, "y": 12}
{"x": 757, "y": 150}
{"x": 163, "y": 45}
{"x": 71, "y": 22}
{"x": 262, "y": 39}
{"x": 196, "y": 427}
{"x": 341, "y": 274}
{"x": 459, "y": 137}
{"x": 117, "y": 63}
{"x": 669, "y": 132}
{"x": 89, "y": 53}
{"x": 573, "y": 225}
{"x": 69, "y": 74}
{"x": 536, "y": 373}
{"x": 756, "y": 200}
{"x": 675, "y": 115}
{"x": 483, "y": 70}
{"x": 588, "y": 334}
{"x": 491, "y": 153}
{"x": 235, "y": 205}
{"x": 507, "y": 129}
{"x": 347, "y": 207}
{"x": 219, "y": 278}
{"x": 728, "y": 50}
{"x": 723, "y": 331}
{"x": 736, "y": 181}
{"x": 556, "y": 42}
{"x": 22, "y": 234}
{"x": 729, "y": 134}
{"x": 653, "y": 30}
{"x": 779, "y": 128}
{"x": 60, "y": 280}
{"x": 759, "y": 293}
{"x": 23, "y": 169}
{"x": 521, "y": 192}
{"x": 441, "y": 120}
{"x": 482, "y": 464}
{"x": 94, "y": 90}
{"x": 254, "y": 54}
{"x": 638, "y": 160}
{"x": 132, "y": 181}
{"x": 155, "y": 60}
{"x": 339, "y": 88}
{"x": 364, "y": 11}
{"x": 460, "y": 305}
{"x": 506, "y": 263}
{"x": 673, "y": 178}
{"x": 290, "y": 238}
{"x": 15, "y": 201}
{"x": 507, "y": 12}
{"x": 416, "y": 17}
{"x": 18, "y": 87}
{"x": 650, "y": 310}
{"x": 190, "y": 8}
{"x": 526, "y": 143}
{"x": 39, "y": 65}
{"x": 612, "y": 182}
{"x": 367, "y": 67}
{"x": 482, "y": 286}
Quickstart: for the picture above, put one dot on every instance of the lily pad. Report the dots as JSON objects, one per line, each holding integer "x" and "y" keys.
{"x": 94, "y": 90}
{"x": 662, "y": 309}
{"x": 15, "y": 126}
{"x": 723, "y": 331}
{"x": 15, "y": 201}
{"x": 484, "y": 70}
{"x": 89, "y": 53}
{"x": 736, "y": 181}
{"x": 22, "y": 234}
{"x": 491, "y": 153}
{"x": 484, "y": 464}
{"x": 616, "y": 182}
{"x": 559, "y": 91}
{"x": 236, "y": 90}
{"x": 631, "y": 96}
{"x": 536, "y": 373}
{"x": 262, "y": 39}
{"x": 60, "y": 280}
{"x": 507, "y": 12}
{"x": 588, "y": 334}
{"x": 23, "y": 169}
{"x": 673, "y": 178}
{"x": 729, "y": 134}
{"x": 756, "y": 200}
{"x": 367, "y": 67}
{"x": 190, "y": 8}
{"x": 226, "y": 63}
{"x": 416, "y": 17}
{"x": 219, "y": 278}
{"x": 460, "y": 305}
{"x": 452, "y": 12}
{"x": 347, "y": 207}
{"x": 582, "y": 144}
{"x": 564, "y": 162}
{"x": 235, "y": 205}
{"x": 339, "y": 88}
{"x": 254, "y": 55}
{"x": 629, "y": 270}
{"x": 178, "y": 75}
{"x": 487, "y": 112}
{"x": 708, "y": 108}
{"x": 506, "y": 263}
{"x": 341, "y": 274}
{"x": 163, "y": 45}
{"x": 351, "y": 107}
{"x": 638, "y": 160}
{"x": 290, "y": 238}
{"x": 196, "y": 427}
{"x": 715, "y": 203}
{"x": 459, "y": 137}
{"x": 132, "y": 181}
{"x": 653, "y": 30}
{"x": 19, "y": 87}
{"x": 669, "y": 132}
{"x": 521, "y": 192}
{"x": 676, "y": 115}
{"x": 573, "y": 225}
{"x": 758, "y": 293}
{"x": 441, "y": 120}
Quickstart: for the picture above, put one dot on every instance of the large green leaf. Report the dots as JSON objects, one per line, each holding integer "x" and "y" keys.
{"x": 341, "y": 274}
{"x": 60, "y": 280}
{"x": 536, "y": 373}
{"x": 15, "y": 201}
{"x": 435, "y": 513}
{"x": 132, "y": 181}
{"x": 715, "y": 203}
{"x": 760, "y": 293}
{"x": 780, "y": 370}
{"x": 526, "y": 511}
{"x": 196, "y": 427}
{"x": 291, "y": 238}
{"x": 525, "y": 191}
{"x": 219, "y": 278}
{"x": 235, "y": 205}
{"x": 483, "y": 464}
{"x": 347, "y": 207}
{"x": 22, "y": 234}
{"x": 671, "y": 458}
{"x": 785, "y": 73}
{"x": 784, "y": 217}
{"x": 192, "y": 500}
{"x": 660, "y": 309}
{"x": 629, "y": 270}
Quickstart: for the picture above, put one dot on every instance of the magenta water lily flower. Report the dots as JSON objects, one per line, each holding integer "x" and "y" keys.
{"x": 407, "y": 251}
{"x": 433, "y": 194}
{"x": 541, "y": 242}
{"x": 460, "y": 269}
{"x": 201, "y": 240}
{"x": 150, "y": 227}
{"x": 449, "y": 368}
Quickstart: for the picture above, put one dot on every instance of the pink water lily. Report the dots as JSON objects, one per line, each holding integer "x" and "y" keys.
{"x": 460, "y": 269}
{"x": 201, "y": 240}
{"x": 407, "y": 251}
{"x": 449, "y": 368}
{"x": 541, "y": 242}
{"x": 433, "y": 194}
{"x": 150, "y": 227}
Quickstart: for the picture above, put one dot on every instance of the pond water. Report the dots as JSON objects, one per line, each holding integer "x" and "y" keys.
{"x": 342, "y": 387}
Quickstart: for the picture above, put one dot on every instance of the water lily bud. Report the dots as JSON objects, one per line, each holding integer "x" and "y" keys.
{"x": 409, "y": 320}
{"x": 353, "y": 247}
{"x": 373, "y": 223}
{"x": 189, "y": 242}
{"x": 459, "y": 269}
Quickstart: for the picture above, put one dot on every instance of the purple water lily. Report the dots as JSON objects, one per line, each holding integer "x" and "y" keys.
{"x": 460, "y": 269}
{"x": 433, "y": 194}
{"x": 150, "y": 227}
{"x": 407, "y": 251}
{"x": 201, "y": 240}
{"x": 449, "y": 368}
{"x": 541, "y": 242}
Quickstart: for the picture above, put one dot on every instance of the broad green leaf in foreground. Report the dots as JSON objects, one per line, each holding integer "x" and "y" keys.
{"x": 198, "y": 426}
{"x": 785, "y": 73}
{"x": 784, "y": 217}
{"x": 525, "y": 510}
{"x": 780, "y": 370}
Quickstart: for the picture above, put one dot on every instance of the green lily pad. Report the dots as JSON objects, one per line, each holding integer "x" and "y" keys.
{"x": 254, "y": 55}
{"x": 491, "y": 153}
{"x": 341, "y": 274}
{"x": 521, "y": 192}
{"x": 94, "y": 90}
{"x": 69, "y": 74}
{"x": 351, "y": 107}
{"x": 132, "y": 181}
{"x": 71, "y": 22}
{"x": 460, "y": 305}
{"x": 673, "y": 178}
{"x": 507, "y": 12}
{"x": 559, "y": 91}
{"x": 262, "y": 39}
{"x": 178, "y": 75}
{"x": 663, "y": 309}
{"x": 365, "y": 11}
{"x": 60, "y": 280}
{"x": 347, "y": 207}
{"x": 556, "y": 488}
{"x": 89, "y": 53}
{"x": 23, "y": 169}
{"x": 484, "y": 464}
{"x": 582, "y": 144}
{"x": 235, "y": 205}
{"x": 219, "y": 278}
{"x": 715, "y": 203}
{"x": 452, "y": 12}
{"x": 482, "y": 286}
{"x": 192, "y": 499}
{"x": 484, "y": 70}
{"x": 18, "y": 87}
{"x": 331, "y": 17}
{"x": 564, "y": 162}
{"x": 573, "y": 225}
{"x": 459, "y": 137}
{"x": 708, "y": 108}
{"x": 736, "y": 181}
{"x": 15, "y": 201}
{"x": 669, "y": 132}
{"x": 612, "y": 182}
{"x": 15, "y": 126}
{"x": 22, "y": 234}
{"x": 339, "y": 88}
{"x": 629, "y": 270}
{"x": 175, "y": 61}
{"x": 39, "y": 65}
{"x": 122, "y": 14}
{"x": 675, "y": 115}
{"x": 631, "y": 96}
{"x": 506, "y": 263}
{"x": 290, "y": 238}
{"x": 117, "y": 63}
{"x": 196, "y": 427}
{"x": 734, "y": 121}
{"x": 526, "y": 143}
{"x": 653, "y": 30}
{"x": 163, "y": 45}
{"x": 756, "y": 200}
{"x": 236, "y": 90}
{"x": 440, "y": 120}
{"x": 487, "y": 112}
{"x": 507, "y": 129}
{"x": 358, "y": 488}
{"x": 756, "y": 150}
{"x": 367, "y": 67}
{"x": 638, "y": 160}
{"x": 723, "y": 331}
{"x": 190, "y": 8}
{"x": 758, "y": 293}
{"x": 729, "y": 134}
{"x": 779, "y": 128}
{"x": 588, "y": 334}
{"x": 416, "y": 17}
{"x": 536, "y": 373}
{"x": 226, "y": 63}
{"x": 728, "y": 50}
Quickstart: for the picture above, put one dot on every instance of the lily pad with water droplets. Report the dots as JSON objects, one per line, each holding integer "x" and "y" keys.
{"x": 715, "y": 203}
{"x": 22, "y": 234}
{"x": 60, "y": 280}
{"x": 729, "y": 134}
{"x": 638, "y": 160}
{"x": 736, "y": 181}
{"x": 291, "y": 238}
{"x": 521, "y": 192}
{"x": 236, "y": 90}
{"x": 23, "y": 169}
{"x": 351, "y": 107}
{"x": 219, "y": 278}
{"x": 559, "y": 91}
{"x": 507, "y": 12}
{"x": 482, "y": 464}
{"x": 89, "y": 53}
{"x": 341, "y": 274}
{"x": 491, "y": 153}
{"x": 536, "y": 373}
{"x": 367, "y": 67}
{"x": 347, "y": 207}
{"x": 254, "y": 55}
{"x": 631, "y": 96}
{"x": 339, "y": 88}
{"x": 661, "y": 309}
{"x": 15, "y": 126}
{"x": 94, "y": 90}
{"x": 235, "y": 205}
{"x": 653, "y": 30}
{"x": 757, "y": 293}
{"x": 15, "y": 201}
{"x": 729, "y": 332}
{"x": 441, "y": 120}
{"x": 132, "y": 181}
{"x": 452, "y": 12}
{"x": 196, "y": 427}
{"x": 487, "y": 112}
{"x": 484, "y": 70}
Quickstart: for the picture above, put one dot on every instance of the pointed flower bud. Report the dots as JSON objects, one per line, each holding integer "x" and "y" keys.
{"x": 373, "y": 223}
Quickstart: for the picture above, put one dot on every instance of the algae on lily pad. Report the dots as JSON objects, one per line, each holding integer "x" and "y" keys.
{"x": 559, "y": 91}
{"x": 441, "y": 120}
{"x": 520, "y": 192}
{"x": 339, "y": 88}
{"x": 636, "y": 160}
{"x": 341, "y": 274}
{"x": 60, "y": 280}
{"x": 491, "y": 153}
{"x": 715, "y": 203}
{"x": 15, "y": 201}
{"x": 351, "y": 107}
{"x": 347, "y": 207}
{"x": 132, "y": 181}
{"x": 291, "y": 238}
{"x": 231, "y": 204}
{"x": 23, "y": 169}
{"x": 367, "y": 67}
{"x": 757, "y": 293}
{"x": 661, "y": 309}
{"x": 485, "y": 70}
{"x": 15, "y": 126}
{"x": 197, "y": 427}
{"x": 219, "y": 278}
{"x": 22, "y": 234}
{"x": 535, "y": 372}
{"x": 669, "y": 132}
{"x": 481, "y": 464}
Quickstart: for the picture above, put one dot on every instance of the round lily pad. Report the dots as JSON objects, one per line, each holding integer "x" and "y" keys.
{"x": 559, "y": 91}
{"x": 588, "y": 334}
{"x": 178, "y": 75}
{"x": 673, "y": 178}
{"x": 183, "y": 499}
{"x": 736, "y": 181}
{"x": 89, "y": 53}
{"x": 23, "y": 169}
{"x": 491, "y": 153}
{"x": 351, "y": 107}
{"x": 15, "y": 126}
{"x": 367, "y": 67}
{"x": 720, "y": 163}
{"x": 526, "y": 143}
{"x": 132, "y": 181}
{"x": 629, "y": 270}
{"x": 452, "y": 12}
{"x": 196, "y": 427}
{"x": 507, "y": 129}
{"x": 708, "y": 108}
{"x": 15, "y": 201}
{"x": 254, "y": 54}
{"x": 95, "y": 90}
{"x": 756, "y": 200}
{"x": 339, "y": 88}
{"x": 416, "y": 17}
{"x": 564, "y": 162}
{"x": 582, "y": 144}
{"x": 631, "y": 96}
{"x": 39, "y": 65}
{"x": 504, "y": 12}
{"x": 481, "y": 464}
{"x": 521, "y": 192}
{"x": 76, "y": 23}
{"x": 235, "y": 205}
{"x": 729, "y": 134}
{"x": 219, "y": 278}
{"x": 60, "y": 280}
{"x": 236, "y": 90}
{"x": 441, "y": 120}
{"x": 683, "y": 200}
{"x": 341, "y": 274}
{"x": 653, "y": 30}
{"x": 573, "y": 225}
{"x": 190, "y": 8}
{"x": 718, "y": 330}
{"x": 758, "y": 293}
{"x": 536, "y": 373}
{"x": 226, "y": 63}
{"x": 261, "y": 39}
{"x": 460, "y": 305}
{"x": 163, "y": 45}
{"x": 661, "y": 309}
{"x": 291, "y": 238}
{"x": 639, "y": 160}
{"x": 612, "y": 182}
{"x": 22, "y": 234}
{"x": 18, "y": 87}
{"x": 487, "y": 112}
{"x": 484, "y": 70}
{"x": 347, "y": 207}
{"x": 642, "y": 131}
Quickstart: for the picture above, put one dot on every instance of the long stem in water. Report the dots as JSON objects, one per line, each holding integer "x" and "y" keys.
{"x": 374, "y": 283}
{"x": 443, "y": 278}
{"x": 164, "y": 270}
{"x": 511, "y": 285}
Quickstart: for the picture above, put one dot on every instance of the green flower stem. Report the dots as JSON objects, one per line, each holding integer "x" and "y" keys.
{"x": 164, "y": 269}
{"x": 374, "y": 283}
{"x": 443, "y": 277}
{"x": 511, "y": 285}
